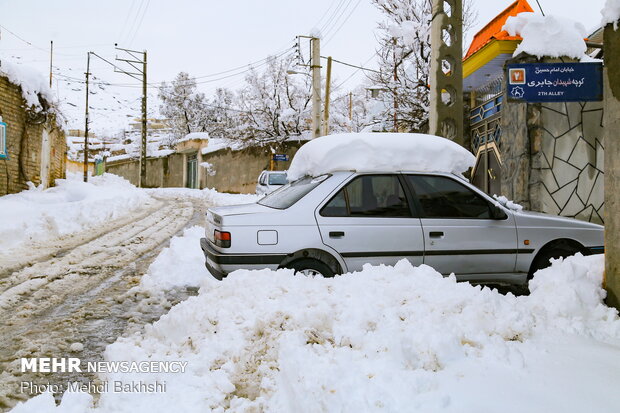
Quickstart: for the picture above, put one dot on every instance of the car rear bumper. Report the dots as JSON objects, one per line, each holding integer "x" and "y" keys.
{"x": 221, "y": 264}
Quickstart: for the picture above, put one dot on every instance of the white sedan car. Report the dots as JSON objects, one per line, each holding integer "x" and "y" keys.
{"x": 337, "y": 222}
{"x": 269, "y": 181}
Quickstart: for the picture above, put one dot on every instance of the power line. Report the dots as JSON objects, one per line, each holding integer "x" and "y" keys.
{"x": 135, "y": 19}
{"x": 344, "y": 21}
{"x": 353, "y": 74}
{"x": 331, "y": 18}
{"x": 23, "y": 40}
{"x": 133, "y": 2}
{"x": 337, "y": 19}
{"x": 140, "y": 23}
{"x": 349, "y": 64}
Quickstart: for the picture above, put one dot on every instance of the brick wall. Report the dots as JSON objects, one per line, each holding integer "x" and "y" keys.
{"x": 24, "y": 143}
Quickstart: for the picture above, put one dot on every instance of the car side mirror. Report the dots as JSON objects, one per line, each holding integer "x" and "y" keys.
{"x": 497, "y": 212}
{"x": 263, "y": 184}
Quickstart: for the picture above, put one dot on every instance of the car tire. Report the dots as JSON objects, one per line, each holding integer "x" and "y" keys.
{"x": 311, "y": 267}
{"x": 561, "y": 249}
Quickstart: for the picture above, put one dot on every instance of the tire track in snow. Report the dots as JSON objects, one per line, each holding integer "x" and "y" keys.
{"x": 80, "y": 296}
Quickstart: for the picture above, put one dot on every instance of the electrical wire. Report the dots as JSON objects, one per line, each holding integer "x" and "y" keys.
{"x": 140, "y": 23}
{"x": 343, "y": 22}
{"x": 352, "y": 65}
{"x": 337, "y": 19}
{"x": 120, "y": 35}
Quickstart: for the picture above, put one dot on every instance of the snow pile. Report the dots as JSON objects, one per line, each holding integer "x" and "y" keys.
{"x": 611, "y": 13}
{"x": 550, "y": 36}
{"x": 71, "y": 206}
{"x": 379, "y": 152}
{"x": 384, "y": 339}
{"x": 508, "y": 203}
{"x": 179, "y": 265}
{"x": 210, "y": 196}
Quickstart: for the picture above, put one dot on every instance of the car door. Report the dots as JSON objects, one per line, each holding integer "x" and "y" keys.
{"x": 369, "y": 220}
{"x": 462, "y": 230}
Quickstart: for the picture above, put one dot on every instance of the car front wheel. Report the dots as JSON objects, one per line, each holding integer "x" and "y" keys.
{"x": 311, "y": 267}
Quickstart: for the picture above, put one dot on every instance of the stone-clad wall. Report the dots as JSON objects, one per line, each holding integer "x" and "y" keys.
{"x": 553, "y": 157}
{"x": 571, "y": 160}
{"x": 24, "y": 140}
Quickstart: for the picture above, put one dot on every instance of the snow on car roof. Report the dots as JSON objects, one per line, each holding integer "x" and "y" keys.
{"x": 379, "y": 152}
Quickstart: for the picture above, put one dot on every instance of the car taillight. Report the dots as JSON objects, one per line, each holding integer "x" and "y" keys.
{"x": 222, "y": 239}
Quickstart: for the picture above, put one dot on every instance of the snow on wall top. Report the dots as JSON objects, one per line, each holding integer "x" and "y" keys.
{"x": 551, "y": 36}
{"x": 31, "y": 82}
{"x": 200, "y": 136}
{"x": 611, "y": 13}
{"x": 379, "y": 152}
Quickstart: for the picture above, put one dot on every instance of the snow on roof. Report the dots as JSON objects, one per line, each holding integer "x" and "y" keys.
{"x": 31, "y": 82}
{"x": 379, "y": 152}
{"x": 216, "y": 144}
{"x": 611, "y": 13}
{"x": 551, "y": 36}
{"x": 200, "y": 136}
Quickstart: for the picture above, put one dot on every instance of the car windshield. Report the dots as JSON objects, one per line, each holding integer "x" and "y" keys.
{"x": 277, "y": 179}
{"x": 289, "y": 194}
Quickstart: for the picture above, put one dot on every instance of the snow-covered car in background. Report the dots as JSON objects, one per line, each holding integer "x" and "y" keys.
{"x": 269, "y": 181}
{"x": 337, "y": 221}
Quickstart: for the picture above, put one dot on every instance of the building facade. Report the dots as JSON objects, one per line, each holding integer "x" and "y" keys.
{"x": 32, "y": 145}
{"x": 547, "y": 157}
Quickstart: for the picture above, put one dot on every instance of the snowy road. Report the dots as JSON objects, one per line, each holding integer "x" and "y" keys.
{"x": 73, "y": 289}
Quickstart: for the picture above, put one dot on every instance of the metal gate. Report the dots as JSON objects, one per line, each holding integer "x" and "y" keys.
{"x": 192, "y": 171}
{"x": 486, "y": 132}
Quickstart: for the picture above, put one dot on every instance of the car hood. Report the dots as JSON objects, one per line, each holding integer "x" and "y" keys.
{"x": 524, "y": 217}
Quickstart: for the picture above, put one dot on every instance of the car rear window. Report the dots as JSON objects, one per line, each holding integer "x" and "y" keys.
{"x": 277, "y": 179}
{"x": 289, "y": 194}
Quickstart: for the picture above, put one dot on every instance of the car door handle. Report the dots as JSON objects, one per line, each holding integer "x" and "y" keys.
{"x": 436, "y": 234}
{"x": 336, "y": 234}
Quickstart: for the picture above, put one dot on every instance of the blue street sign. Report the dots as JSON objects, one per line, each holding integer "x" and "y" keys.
{"x": 280, "y": 157}
{"x": 555, "y": 82}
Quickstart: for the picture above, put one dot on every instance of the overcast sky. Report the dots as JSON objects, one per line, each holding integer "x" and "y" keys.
{"x": 200, "y": 37}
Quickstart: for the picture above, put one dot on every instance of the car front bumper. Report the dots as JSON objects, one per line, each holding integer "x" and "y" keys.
{"x": 221, "y": 264}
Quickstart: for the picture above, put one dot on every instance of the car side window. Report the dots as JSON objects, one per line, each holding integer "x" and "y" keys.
{"x": 369, "y": 196}
{"x": 261, "y": 179}
{"x": 442, "y": 197}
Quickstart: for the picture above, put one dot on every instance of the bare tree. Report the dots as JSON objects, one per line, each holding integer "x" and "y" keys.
{"x": 183, "y": 106}
{"x": 274, "y": 106}
{"x": 404, "y": 61}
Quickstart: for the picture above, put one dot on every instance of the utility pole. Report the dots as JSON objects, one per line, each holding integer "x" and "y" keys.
{"x": 144, "y": 121}
{"x": 327, "y": 92}
{"x": 86, "y": 120}
{"x": 611, "y": 123}
{"x": 315, "y": 66}
{"x": 51, "y": 57}
{"x": 446, "y": 100}
{"x": 139, "y": 65}
{"x": 350, "y": 111}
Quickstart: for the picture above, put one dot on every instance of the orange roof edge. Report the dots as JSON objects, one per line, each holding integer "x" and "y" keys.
{"x": 493, "y": 29}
